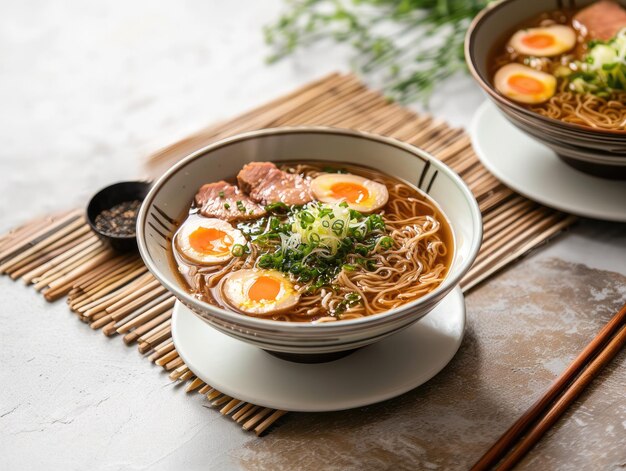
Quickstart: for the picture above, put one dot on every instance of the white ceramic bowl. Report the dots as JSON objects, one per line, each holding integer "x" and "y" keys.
{"x": 171, "y": 195}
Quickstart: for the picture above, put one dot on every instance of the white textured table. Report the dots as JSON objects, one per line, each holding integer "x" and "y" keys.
{"x": 87, "y": 89}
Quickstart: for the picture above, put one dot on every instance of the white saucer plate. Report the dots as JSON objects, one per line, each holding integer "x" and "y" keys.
{"x": 535, "y": 171}
{"x": 372, "y": 374}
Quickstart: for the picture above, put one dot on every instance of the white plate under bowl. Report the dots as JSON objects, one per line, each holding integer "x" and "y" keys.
{"x": 535, "y": 171}
{"x": 372, "y": 374}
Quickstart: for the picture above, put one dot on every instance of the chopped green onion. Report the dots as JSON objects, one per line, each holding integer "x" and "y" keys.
{"x": 238, "y": 250}
{"x": 386, "y": 242}
{"x": 241, "y": 207}
{"x": 338, "y": 226}
{"x": 277, "y": 208}
{"x": 307, "y": 217}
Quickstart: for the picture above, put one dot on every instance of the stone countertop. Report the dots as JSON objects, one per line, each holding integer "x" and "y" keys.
{"x": 87, "y": 90}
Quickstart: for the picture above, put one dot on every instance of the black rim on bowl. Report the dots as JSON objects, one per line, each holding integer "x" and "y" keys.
{"x": 107, "y": 198}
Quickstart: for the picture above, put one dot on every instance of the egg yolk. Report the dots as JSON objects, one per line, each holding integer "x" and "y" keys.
{"x": 526, "y": 85}
{"x": 210, "y": 241}
{"x": 350, "y": 192}
{"x": 538, "y": 41}
{"x": 264, "y": 288}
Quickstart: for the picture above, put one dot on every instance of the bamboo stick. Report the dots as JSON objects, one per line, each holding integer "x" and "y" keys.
{"x": 61, "y": 286}
{"x": 146, "y": 316}
{"x": 195, "y": 384}
{"x": 156, "y": 323}
{"x": 66, "y": 231}
{"x": 161, "y": 350}
{"x": 41, "y": 255}
{"x": 204, "y": 389}
{"x": 66, "y": 266}
{"x": 263, "y": 426}
{"x": 54, "y": 259}
{"x": 122, "y": 319}
{"x": 229, "y": 408}
{"x": 245, "y": 410}
{"x": 178, "y": 372}
{"x": 133, "y": 302}
{"x": 258, "y": 417}
{"x": 103, "y": 303}
{"x": 32, "y": 239}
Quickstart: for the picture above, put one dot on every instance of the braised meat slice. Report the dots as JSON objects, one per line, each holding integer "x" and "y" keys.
{"x": 266, "y": 183}
{"x": 602, "y": 20}
{"x": 225, "y": 201}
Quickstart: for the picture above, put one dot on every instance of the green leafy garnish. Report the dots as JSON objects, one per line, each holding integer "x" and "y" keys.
{"x": 316, "y": 241}
{"x": 603, "y": 68}
{"x": 349, "y": 300}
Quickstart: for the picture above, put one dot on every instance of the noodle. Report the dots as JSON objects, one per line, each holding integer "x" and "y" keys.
{"x": 586, "y": 109}
{"x": 415, "y": 265}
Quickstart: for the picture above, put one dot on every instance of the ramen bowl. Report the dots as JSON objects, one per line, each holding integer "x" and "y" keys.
{"x": 598, "y": 152}
{"x": 170, "y": 197}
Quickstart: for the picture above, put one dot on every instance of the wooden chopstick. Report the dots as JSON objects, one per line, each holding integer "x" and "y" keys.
{"x": 546, "y": 411}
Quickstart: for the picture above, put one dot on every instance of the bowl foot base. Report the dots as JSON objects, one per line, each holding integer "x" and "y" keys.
{"x": 610, "y": 172}
{"x": 311, "y": 358}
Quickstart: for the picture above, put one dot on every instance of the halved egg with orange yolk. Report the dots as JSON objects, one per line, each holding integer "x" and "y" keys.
{"x": 358, "y": 192}
{"x": 523, "y": 84}
{"x": 207, "y": 241}
{"x": 547, "y": 41}
{"x": 259, "y": 292}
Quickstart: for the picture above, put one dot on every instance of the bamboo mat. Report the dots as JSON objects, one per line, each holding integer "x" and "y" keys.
{"x": 60, "y": 256}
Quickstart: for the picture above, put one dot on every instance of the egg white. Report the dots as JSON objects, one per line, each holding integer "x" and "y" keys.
{"x": 184, "y": 248}
{"x": 235, "y": 286}
{"x": 564, "y": 40}
{"x": 378, "y": 194}
{"x": 501, "y": 82}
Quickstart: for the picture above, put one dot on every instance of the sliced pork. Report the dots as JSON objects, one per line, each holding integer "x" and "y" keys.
{"x": 602, "y": 20}
{"x": 265, "y": 183}
{"x": 225, "y": 201}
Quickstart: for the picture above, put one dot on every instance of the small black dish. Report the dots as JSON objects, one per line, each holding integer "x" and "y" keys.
{"x": 109, "y": 197}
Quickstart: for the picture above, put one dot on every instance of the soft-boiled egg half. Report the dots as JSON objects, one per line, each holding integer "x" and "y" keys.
{"x": 259, "y": 292}
{"x": 523, "y": 84}
{"x": 359, "y": 193}
{"x": 544, "y": 42}
{"x": 207, "y": 241}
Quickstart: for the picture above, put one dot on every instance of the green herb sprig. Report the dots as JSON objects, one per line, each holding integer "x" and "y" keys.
{"x": 407, "y": 47}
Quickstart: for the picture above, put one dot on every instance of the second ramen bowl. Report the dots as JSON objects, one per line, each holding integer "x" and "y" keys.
{"x": 171, "y": 195}
{"x": 594, "y": 151}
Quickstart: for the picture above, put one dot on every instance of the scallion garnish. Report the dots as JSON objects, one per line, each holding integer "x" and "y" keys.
{"x": 316, "y": 241}
{"x": 239, "y": 250}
